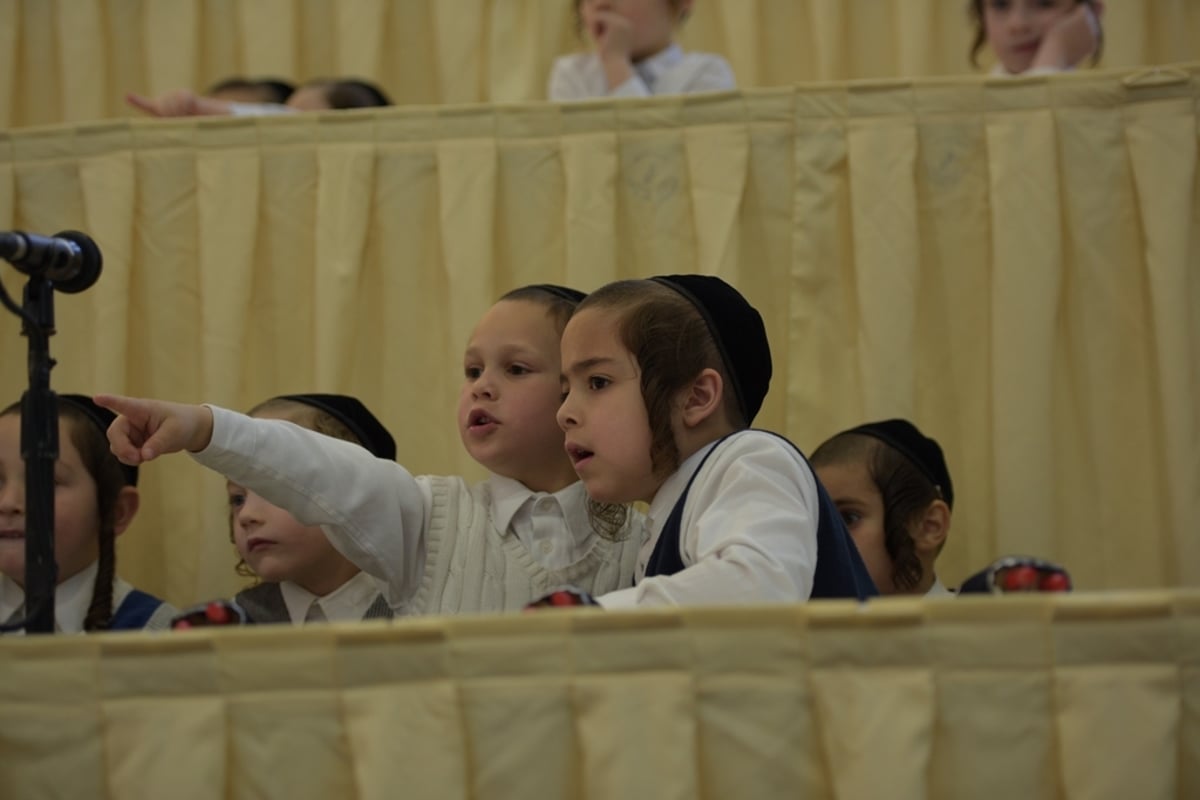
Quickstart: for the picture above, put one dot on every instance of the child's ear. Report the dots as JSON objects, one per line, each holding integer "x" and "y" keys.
{"x": 683, "y": 8}
{"x": 125, "y": 508}
{"x": 703, "y": 397}
{"x": 933, "y": 528}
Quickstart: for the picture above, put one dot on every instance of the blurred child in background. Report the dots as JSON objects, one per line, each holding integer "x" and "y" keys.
{"x": 322, "y": 94}
{"x": 1031, "y": 37}
{"x": 633, "y": 53}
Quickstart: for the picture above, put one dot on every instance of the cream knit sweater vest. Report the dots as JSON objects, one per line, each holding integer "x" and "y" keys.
{"x": 472, "y": 567}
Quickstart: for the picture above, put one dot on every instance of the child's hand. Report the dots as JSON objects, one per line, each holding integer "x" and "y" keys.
{"x": 1072, "y": 39}
{"x": 612, "y": 34}
{"x": 177, "y": 103}
{"x": 146, "y": 429}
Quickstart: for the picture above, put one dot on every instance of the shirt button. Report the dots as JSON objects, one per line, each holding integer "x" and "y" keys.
{"x": 544, "y": 504}
{"x": 547, "y": 547}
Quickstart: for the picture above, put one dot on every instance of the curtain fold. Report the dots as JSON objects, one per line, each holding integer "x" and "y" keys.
{"x": 1060, "y": 697}
{"x": 1011, "y": 264}
{"x": 73, "y": 60}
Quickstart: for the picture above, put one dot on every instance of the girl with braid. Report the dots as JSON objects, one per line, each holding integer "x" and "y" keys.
{"x": 95, "y": 499}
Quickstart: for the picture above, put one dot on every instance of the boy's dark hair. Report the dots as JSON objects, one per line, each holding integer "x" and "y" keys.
{"x": 267, "y": 90}
{"x": 975, "y": 12}
{"x": 110, "y": 478}
{"x": 905, "y": 490}
{"x": 559, "y": 301}
{"x": 276, "y": 90}
{"x": 672, "y": 344}
{"x": 351, "y": 93}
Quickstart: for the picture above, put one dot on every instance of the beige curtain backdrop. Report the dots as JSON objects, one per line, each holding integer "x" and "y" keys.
{"x": 1074, "y": 698}
{"x": 73, "y": 60}
{"x": 1015, "y": 265}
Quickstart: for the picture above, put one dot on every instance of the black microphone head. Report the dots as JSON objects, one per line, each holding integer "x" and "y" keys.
{"x": 90, "y": 263}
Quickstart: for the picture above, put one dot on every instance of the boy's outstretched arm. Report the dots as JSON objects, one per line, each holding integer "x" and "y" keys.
{"x": 178, "y": 103}
{"x": 145, "y": 429}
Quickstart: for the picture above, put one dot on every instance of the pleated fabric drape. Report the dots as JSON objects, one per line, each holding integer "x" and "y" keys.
{"x": 1089, "y": 697}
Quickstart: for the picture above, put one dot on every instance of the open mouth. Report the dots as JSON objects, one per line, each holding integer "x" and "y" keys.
{"x": 578, "y": 455}
{"x": 478, "y": 418}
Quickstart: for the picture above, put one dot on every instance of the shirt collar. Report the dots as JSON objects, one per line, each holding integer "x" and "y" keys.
{"x": 510, "y": 496}
{"x": 347, "y": 603}
{"x": 938, "y": 589}
{"x": 72, "y": 598}
{"x": 652, "y": 68}
{"x": 668, "y": 494}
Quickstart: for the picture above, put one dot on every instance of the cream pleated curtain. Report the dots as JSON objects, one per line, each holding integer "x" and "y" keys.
{"x": 1011, "y": 264}
{"x": 1039, "y": 698}
{"x": 73, "y": 60}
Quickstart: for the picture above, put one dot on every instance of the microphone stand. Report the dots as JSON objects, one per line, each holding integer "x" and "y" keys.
{"x": 39, "y": 449}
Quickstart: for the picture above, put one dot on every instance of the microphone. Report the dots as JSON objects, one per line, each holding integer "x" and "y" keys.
{"x": 70, "y": 259}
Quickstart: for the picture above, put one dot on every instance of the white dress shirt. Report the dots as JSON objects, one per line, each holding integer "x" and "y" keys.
{"x": 938, "y": 589}
{"x": 748, "y": 532}
{"x": 347, "y": 603}
{"x": 998, "y": 71}
{"x": 259, "y": 109}
{"x": 72, "y": 598}
{"x": 580, "y": 76}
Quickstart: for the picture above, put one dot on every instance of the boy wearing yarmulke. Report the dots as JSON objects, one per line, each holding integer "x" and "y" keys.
{"x": 892, "y": 487}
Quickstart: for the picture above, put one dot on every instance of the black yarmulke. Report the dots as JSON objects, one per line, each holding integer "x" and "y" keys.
{"x": 738, "y": 330}
{"x": 923, "y": 452}
{"x": 351, "y": 412}
{"x": 102, "y": 418}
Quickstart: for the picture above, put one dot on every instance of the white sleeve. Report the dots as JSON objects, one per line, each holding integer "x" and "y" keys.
{"x": 565, "y": 83}
{"x": 749, "y": 531}
{"x": 373, "y": 511}
{"x": 575, "y": 77}
{"x": 258, "y": 109}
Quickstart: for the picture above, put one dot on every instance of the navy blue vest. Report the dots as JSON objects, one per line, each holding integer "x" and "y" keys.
{"x": 135, "y": 611}
{"x": 840, "y": 570}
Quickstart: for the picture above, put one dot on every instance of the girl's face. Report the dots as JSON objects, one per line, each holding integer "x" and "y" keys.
{"x": 604, "y": 415}
{"x": 278, "y": 548}
{"x": 76, "y": 508}
{"x": 510, "y": 394}
{"x": 861, "y": 505}
{"x": 1015, "y": 28}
